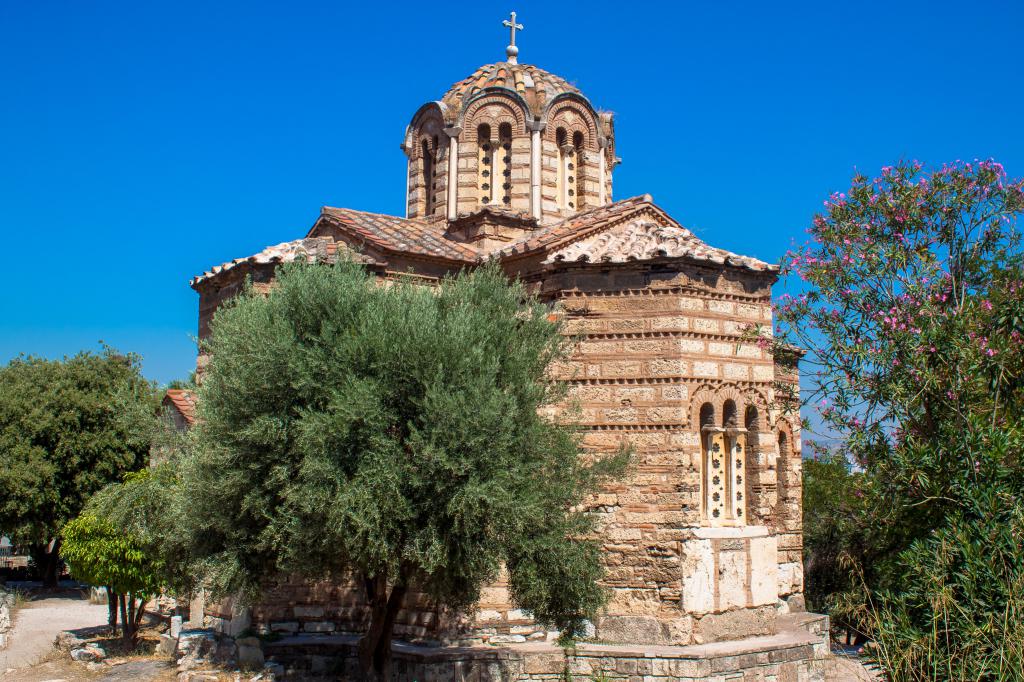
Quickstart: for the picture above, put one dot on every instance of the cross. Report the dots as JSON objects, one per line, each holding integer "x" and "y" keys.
{"x": 512, "y": 51}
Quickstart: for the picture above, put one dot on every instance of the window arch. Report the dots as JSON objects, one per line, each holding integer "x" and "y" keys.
{"x": 566, "y": 171}
{"x": 503, "y": 174}
{"x": 429, "y": 169}
{"x": 485, "y": 163}
{"x": 577, "y": 192}
{"x": 707, "y": 415}
{"x": 729, "y": 414}
{"x": 724, "y": 450}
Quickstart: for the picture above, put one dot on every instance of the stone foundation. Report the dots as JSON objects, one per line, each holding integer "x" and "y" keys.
{"x": 797, "y": 653}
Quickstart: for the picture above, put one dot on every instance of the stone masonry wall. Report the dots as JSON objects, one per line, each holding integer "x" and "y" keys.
{"x": 655, "y": 343}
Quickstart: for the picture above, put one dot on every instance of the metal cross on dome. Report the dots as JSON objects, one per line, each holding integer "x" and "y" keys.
{"x": 512, "y": 51}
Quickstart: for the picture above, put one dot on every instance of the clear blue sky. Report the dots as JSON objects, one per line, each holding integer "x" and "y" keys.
{"x": 142, "y": 142}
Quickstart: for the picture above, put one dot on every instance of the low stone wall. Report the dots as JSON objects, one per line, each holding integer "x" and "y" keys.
{"x": 797, "y": 653}
{"x": 6, "y": 606}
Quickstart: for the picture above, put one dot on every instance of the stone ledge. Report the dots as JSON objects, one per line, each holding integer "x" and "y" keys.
{"x": 795, "y": 632}
{"x": 729, "y": 532}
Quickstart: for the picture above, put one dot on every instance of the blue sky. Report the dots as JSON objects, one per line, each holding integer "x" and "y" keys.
{"x": 142, "y": 142}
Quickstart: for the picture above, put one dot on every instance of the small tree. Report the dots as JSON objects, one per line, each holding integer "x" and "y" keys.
{"x": 67, "y": 428}
{"x": 100, "y": 553}
{"x": 395, "y": 434}
{"x": 913, "y": 315}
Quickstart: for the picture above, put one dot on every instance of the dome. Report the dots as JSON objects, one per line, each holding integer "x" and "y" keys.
{"x": 536, "y": 86}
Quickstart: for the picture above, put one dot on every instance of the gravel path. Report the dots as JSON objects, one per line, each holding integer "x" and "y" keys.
{"x": 37, "y": 623}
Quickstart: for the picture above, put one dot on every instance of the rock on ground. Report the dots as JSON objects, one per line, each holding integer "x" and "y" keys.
{"x": 847, "y": 669}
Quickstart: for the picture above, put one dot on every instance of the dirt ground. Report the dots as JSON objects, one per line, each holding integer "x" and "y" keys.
{"x": 30, "y": 655}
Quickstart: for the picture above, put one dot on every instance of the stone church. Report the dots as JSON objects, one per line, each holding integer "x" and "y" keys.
{"x": 702, "y": 542}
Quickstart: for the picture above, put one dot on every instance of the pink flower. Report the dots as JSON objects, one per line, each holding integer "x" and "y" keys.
{"x": 986, "y": 305}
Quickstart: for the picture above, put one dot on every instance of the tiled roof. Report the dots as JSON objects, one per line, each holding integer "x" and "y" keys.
{"x": 311, "y": 249}
{"x": 668, "y": 240}
{"x": 421, "y": 237}
{"x": 661, "y": 237}
{"x": 536, "y": 86}
{"x": 582, "y": 223}
{"x": 184, "y": 402}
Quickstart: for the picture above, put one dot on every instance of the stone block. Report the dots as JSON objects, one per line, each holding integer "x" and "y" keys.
{"x": 704, "y": 368}
{"x": 318, "y": 626}
{"x": 764, "y": 580}
{"x": 250, "y": 653}
{"x": 698, "y": 576}
{"x": 176, "y": 625}
{"x": 289, "y": 626}
{"x": 735, "y": 624}
{"x": 622, "y": 629}
{"x": 166, "y": 645}
{"x": 308, "y": 611}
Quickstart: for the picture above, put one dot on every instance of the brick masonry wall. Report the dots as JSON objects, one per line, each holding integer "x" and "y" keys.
{"x": 654, "y": 346}
{"x": 655, "y": 342}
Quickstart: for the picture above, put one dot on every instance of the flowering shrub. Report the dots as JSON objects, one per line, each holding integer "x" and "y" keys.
{"x": 911, "y": 307}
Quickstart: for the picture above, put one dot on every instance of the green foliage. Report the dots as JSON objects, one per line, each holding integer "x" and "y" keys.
{"x": 837, "y": 526}
{"x": 395, "y": 433}
{"x": 67, "y": 428}
{"x": 960, "y": 615}
{"x": 144, "y": 508}
{"x": 100, "y": 553}
{"x": 913, "y": 315}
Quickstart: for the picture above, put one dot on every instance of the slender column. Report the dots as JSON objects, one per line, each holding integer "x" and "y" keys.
{"x": 602, "y": 176}
{"x": 453, "y": 171}
{"x": 536, "y": 127}
{"x": 408, "y": 178}
{"x": 568, "y": 155}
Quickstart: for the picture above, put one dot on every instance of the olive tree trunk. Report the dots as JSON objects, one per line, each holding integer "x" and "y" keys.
{"x": 375, "y": 645}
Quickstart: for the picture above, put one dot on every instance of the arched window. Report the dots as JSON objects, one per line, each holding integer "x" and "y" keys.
{"x": 429, "y": 179}
{"x": 485, "y": 164}
{"x": 707, "y": 415}
{"x": 782, "y": 472}
{"x": 724, "y": 449}
{"x": 566, "y": 171}
{"x": 433, "y": 175}
{"x": 729, "y": 415}
{"x": 750, "y": 421}
{"x": 579, "y": 198}
{"x": 504, "y": 164}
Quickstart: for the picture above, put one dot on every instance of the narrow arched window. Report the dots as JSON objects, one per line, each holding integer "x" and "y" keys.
{"x": 579, "y": 198}
{"x": 783, "y": 479}
{"x": 724, "y": 460}
{"x": 707, "y": 415}
{"x": 504, "y": 163}
{"x": 433, "y": 175}
{"x": 427, "y": 161}
{"x": 566, "y": 170}
{"x": 485, "y": 164}
{"x": 750, "y": 421}
{"x": 712, "y": 466}
{"x": 729, "y": 415}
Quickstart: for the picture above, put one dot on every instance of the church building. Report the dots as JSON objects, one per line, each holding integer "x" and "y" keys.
{"x": 702, "y": 540}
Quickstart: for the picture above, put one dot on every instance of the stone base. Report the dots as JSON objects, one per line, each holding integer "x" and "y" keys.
{"x": 797, "y": 652}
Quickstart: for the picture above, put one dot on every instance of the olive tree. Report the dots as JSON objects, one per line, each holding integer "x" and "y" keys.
{"x": 395, "y": 434}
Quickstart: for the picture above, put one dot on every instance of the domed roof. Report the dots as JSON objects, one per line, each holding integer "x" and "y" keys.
{"x": 536, "y": 86}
